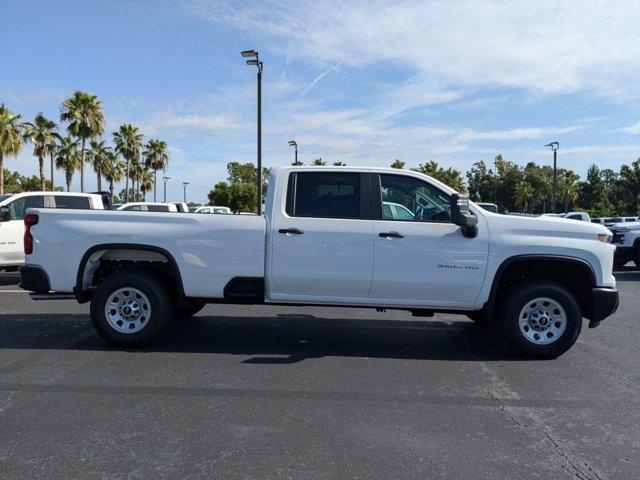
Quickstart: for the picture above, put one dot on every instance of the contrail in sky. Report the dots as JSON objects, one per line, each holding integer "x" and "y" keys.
{"x": 319, "y": 77}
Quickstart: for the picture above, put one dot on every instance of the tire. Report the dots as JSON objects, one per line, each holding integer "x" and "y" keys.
{"x": 540, "y": 319}
{"x": 636, "y": 256}
{"x": 139, "y": 292}
{"x": 618, "y": 264}
{"x": 188, "y": 308}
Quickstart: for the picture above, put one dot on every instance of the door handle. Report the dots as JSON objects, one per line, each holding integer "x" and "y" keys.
{"x": 289, "y": 231}
{"x": 391, "y": 235}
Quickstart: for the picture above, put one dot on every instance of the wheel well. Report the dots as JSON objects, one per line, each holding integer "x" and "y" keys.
{"x": 101, "y": 262}
{"x": 574, "y": 275}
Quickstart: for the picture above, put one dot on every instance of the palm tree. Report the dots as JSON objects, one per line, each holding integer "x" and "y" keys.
{"x": 113, "y": 170}
{"x": 128, "y": 141}
{"x": 83, "y": 111}
{"x": 42, "y": 133}
{"x": 50, "y": 149}
{"x": 319, "y": 161}
{"x": 69, "y": 159}
{"x": 339, "y": 164}
{"x": 99, "y": 157}
{"x": 156, "y": 158}
{"x": 11, "y": 141}
{"x": 136, "y": 172}
{"x": 146, "y": 179}
{"x": 399, "y": 164}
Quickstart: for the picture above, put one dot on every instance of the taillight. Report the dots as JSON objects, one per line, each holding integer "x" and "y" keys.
{"x": 30, "y": 220}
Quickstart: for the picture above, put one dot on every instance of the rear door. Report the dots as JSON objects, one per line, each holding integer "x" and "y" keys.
{"x": 421, "y": 257}
{"x": 322, "y": 244}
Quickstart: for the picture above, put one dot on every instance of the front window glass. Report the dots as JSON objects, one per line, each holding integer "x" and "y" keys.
{"x": 18, "y": 208}
{"x": 411, "y": 199}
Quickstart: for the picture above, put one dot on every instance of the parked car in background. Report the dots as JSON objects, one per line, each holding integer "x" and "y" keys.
{"x": 181, "y": 207}
{"x": 148, "y": 207}
{"x": 12, "y": 211}
{"x": 626, "y": 238}
{"x": 213, "y": 209}
{"x": 489, "y": 207}
{"x": 607, "y": 221}
{"x": 326, "y": 239}
{"x": 582, "y": 216}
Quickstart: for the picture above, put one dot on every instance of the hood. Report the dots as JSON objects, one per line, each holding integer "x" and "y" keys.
{"x": 627, "y": 225}
{"x": 549, "y": 226}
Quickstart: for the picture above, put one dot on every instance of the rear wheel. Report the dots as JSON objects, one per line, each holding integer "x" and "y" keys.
{"x": 130, "y": 309}
{"x": 540, "y": 319}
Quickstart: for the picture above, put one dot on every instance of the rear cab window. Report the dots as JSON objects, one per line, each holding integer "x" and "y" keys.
{"x": 327, "y": 195}
{"x": 72, "y": 202}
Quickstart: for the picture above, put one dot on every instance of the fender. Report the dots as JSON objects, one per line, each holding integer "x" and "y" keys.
{"x": 81, "y": 294}
{"x": 488, "y": 307}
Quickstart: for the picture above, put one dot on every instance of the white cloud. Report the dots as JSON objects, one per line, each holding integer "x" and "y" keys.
{"x": 543, "y": 46}
{"x": 633, "y": 129}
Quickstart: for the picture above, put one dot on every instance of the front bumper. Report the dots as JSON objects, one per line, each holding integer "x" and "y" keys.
{"x": 604, "y": 303}
{"x": 34, "y": 279}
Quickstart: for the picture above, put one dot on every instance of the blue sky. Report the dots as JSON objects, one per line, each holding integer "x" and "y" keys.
{"x": 359, "y": 82}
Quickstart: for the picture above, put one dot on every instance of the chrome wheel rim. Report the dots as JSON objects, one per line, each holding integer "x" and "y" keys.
{"x": 127, "y": 310}
{"x": 542, "y": 321}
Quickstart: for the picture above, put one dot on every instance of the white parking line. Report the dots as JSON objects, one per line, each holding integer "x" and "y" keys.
{"x": 13, "y": 291}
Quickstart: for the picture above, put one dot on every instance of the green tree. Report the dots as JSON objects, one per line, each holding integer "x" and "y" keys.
{"x": 11, "y": 141}
{"x": 12, "y": 181}
{"x": 113, "y": 171}
{"x": 481, "y": 182}
{"x": 220, "y": 195}
{"x": 297, "y": 163}
{"x": 567, "y": 187}
{"x": 146, "y": 183}
{"x": 398, "y": 164}
{"x": 99, "y": 156}
{"x": 319, "y": 162}
{"x": 450, "y": 176}
{"x": 156, "y": 158}
{"x": 508, "y": 175}
{"x": 128, "y": 142}
{"x": 524, "y": 194}
{"x": 243, "y": 197}
{"x": 42, "y": 133}
{"x": 83, "y": 111}
{"x": 69, "y": 159}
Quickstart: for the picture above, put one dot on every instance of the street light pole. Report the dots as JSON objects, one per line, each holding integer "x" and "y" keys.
{"x": 255, "y": 60}
{"x": 554, "y": 147}
{"x": 293, "y": 143}
{"x": 165, "y": 180}
{"x": 184, "y": 186}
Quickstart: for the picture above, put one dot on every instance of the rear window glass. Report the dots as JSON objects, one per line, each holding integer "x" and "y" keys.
{"x": 326, "y": 195}
{"x": 157, "y": 208}
{"x": 67, "y": 201}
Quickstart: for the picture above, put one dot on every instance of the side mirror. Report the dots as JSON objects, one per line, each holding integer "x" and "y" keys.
{"x": 5, "y": 214}
{"x": 462, "y": 216}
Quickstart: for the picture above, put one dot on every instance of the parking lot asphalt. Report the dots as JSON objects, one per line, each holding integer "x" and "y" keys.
{"x": 258, "y": 392}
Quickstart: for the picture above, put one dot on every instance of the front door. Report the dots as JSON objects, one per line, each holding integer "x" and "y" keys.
{"x": 420, "y": 256}
{"x": 322, "y": 245}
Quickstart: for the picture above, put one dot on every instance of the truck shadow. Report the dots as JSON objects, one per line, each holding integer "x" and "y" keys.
{"x": 627, "y": 274}
{"x": 282, "y": 339}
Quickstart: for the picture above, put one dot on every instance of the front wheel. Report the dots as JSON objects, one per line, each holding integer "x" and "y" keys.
{"x": 540, "y": 319}
{"x": 130, "y": 309}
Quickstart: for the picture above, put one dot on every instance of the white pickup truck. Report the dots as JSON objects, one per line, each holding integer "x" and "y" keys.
{"x": 327, "y": 238}
{"x": 626, "y": 238}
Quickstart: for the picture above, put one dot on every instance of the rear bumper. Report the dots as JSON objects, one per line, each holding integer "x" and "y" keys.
{"x": 605, "y": 303}
{"x": 34, "y": 279}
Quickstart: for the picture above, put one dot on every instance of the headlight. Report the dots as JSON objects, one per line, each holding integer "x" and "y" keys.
{"x": 605, "y": 238}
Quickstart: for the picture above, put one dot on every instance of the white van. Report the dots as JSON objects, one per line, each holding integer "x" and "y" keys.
{"x": 12, "y": 211}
